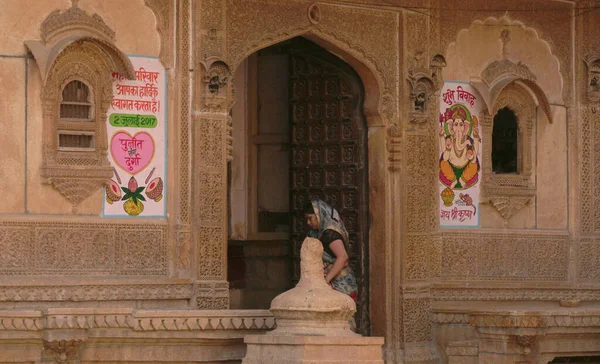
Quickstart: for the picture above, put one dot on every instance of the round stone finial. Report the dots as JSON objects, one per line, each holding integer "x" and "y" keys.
{"x": 313, "y": 307}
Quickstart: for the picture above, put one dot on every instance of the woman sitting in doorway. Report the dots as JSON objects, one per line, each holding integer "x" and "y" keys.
{"x": 326, "y": 225}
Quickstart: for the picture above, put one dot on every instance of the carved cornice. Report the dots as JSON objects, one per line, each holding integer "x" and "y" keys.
{"x": 518, "y": 319}
{"x": 143, "y": 320}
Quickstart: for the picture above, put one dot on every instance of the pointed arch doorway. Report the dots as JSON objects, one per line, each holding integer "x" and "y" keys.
{"x": 307, "y": 103}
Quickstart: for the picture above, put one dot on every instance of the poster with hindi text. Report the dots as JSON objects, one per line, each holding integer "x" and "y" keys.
{"x": 459, "y": 155}
{"x": 136, "y": 130}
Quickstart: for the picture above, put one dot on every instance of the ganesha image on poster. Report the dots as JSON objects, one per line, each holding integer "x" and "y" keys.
{"x": 459, "y": 151}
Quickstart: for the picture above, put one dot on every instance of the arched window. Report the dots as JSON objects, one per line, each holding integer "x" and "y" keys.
{"x": 76, "y": 126}
{"x": 505, "y": 147}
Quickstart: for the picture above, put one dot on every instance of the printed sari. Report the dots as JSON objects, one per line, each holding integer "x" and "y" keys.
{"x": 329, "y": 219}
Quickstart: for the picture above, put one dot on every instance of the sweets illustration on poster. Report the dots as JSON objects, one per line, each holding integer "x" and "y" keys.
{"x": 136, "y": 132}
{"x": 460, "y": 155}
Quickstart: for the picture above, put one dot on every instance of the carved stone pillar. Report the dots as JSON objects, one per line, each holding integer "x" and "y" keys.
{"x": 211, "y": 143}
{"x": 423, "y": 73}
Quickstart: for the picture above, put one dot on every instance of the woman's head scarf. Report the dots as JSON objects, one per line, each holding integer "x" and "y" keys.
{"x": 329, "y": 219}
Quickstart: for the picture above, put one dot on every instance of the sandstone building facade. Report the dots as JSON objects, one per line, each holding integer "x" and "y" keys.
{"x": 156, "y": 155}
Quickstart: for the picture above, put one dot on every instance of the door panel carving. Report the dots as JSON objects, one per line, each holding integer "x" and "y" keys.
{"x": 328, "y": 149}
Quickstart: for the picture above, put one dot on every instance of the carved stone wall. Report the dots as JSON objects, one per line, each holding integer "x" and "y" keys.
{"x": 511, "y": 256}
{"x": 84, "y": 249}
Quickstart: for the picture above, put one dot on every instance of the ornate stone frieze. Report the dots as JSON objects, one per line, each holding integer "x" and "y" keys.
{"x": 462, "y": 348}
{"x": 87, "y": 249}
{"x": 449, "y": 318}
{"x": 512, "y": 294}
{"x": 96, "y": 292}
{"x": 511, "y": 256}
{"x": 212, "y": 295}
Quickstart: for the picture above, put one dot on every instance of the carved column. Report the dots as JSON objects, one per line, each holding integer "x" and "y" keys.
{"x": 419, "y": 189}
{"x": 211, "y": 135}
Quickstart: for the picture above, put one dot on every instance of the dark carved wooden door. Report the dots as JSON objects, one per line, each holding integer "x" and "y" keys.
{"x": 328, "y": 153}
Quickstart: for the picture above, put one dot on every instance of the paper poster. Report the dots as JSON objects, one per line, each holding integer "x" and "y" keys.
{"x": 136, "y": 129}
{"x": 459, "y": 155}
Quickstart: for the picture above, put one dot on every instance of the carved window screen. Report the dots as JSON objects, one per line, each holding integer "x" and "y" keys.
{"x": 76, "y": 126}
{"x": 505, "y": 142}
{"x": 76, "y": 102}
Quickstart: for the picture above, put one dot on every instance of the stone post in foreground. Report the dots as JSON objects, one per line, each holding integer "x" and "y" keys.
{"x": 312, "y": 323}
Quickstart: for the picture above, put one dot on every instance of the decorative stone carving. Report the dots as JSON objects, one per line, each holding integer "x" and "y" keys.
{"x": 64, "y": 351}
{"x": 512, "y": 294}
{"x": 508, "y": 205}
{"x": 183, "y": 57}
{"x": 485, "y": 256}
{"x": 212, "y": 295}
{"x": 592, "y": 88}
{"x": 501, "y": 69}
{"x": 314, "y": 14}
{"x": 74, "y": 20}
{"x": 163, "y": 11}
{"x": 217, "y": 93}
{"x": 84, "y": 249}
{"x": 394, "y": 147}
{"x": 424, "y": 83}
{"x": 312, "y": 307}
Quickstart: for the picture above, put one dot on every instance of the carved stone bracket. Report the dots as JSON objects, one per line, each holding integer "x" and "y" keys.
{"x": 508, "y": 205}
{"x": 63, "y": 351}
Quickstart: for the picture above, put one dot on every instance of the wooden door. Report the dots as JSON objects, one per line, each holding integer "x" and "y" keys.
{"x": 328, "y": 153}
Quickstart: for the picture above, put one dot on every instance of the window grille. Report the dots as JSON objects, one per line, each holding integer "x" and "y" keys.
{"x": 76, "y": 103}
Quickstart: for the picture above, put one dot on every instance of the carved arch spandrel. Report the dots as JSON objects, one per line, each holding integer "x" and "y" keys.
{"x": 375, "y": 62}
{"x": 164, "y": 12}
{"x": 488, "y": 37}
